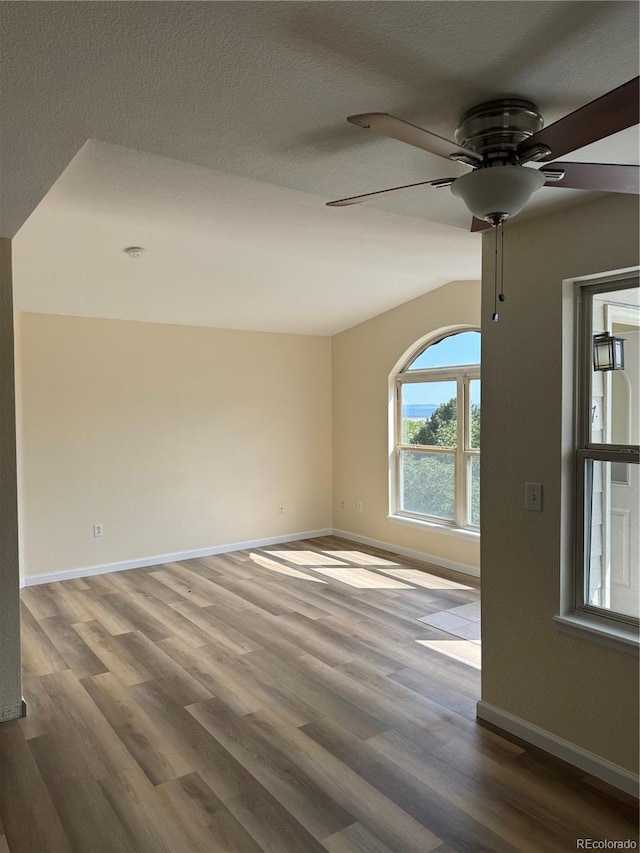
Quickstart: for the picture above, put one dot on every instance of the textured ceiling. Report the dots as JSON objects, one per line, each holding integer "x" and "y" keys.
{"x": 261, "y": 91}
{"x": 222, "y": 250}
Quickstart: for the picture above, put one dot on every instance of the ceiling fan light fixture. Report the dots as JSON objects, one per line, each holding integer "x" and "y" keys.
{"x": 498, "y": 191}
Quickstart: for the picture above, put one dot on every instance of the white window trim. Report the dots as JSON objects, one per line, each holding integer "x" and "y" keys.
{"x": 598, "y": 630}
{"x": 591, "y": 626}
{"x": 465, "y": 533}
{"x": 462, "y": 374}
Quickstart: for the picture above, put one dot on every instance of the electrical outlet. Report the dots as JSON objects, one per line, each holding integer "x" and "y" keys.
{"x": 98, "y": 530}
{"x": 533, "y": 497}
{"x": 341, "y": 504}
{"x": 280, "y": 509}
{"x": 359, "y": 506}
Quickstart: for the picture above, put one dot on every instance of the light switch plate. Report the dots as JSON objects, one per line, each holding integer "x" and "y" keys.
{"x": 533, "y": 497}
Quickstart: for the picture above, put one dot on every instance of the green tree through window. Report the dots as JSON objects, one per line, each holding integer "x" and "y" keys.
{"x": 427, "y": 478}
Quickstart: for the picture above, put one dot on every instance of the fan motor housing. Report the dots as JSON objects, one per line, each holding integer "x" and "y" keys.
{"x": 496, "y": 128}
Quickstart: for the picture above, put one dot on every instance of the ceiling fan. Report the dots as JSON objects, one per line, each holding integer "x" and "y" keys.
{"x": 497, "y": 140}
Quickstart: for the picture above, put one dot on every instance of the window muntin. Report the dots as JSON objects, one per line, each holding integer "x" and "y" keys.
{"x": 438, "y": 433}
{"x": 607, "y": 458}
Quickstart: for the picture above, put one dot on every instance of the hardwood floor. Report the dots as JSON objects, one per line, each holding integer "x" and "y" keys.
{"x": 287, "y": 699}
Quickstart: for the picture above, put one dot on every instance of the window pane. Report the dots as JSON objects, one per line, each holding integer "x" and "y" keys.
{"x": 429, "y": 413}
{"x": 427, "y": 483}
{"x": 615, "y": 403}
{"x": 461, "y": 348}
{"x": 474, "y": 413}
{"x": 613, "y": 564}
{"x": 473, "y": 489}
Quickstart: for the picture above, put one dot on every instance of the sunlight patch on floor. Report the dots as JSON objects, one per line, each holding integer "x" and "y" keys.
{"x": 281, "y": 569}
{"x": 307, "y": 558}
{"x": 362, "y": 578}
{"x": 460, "y": 650}
{"x": 420, "y": 578}
{"x": 363, "y": 559}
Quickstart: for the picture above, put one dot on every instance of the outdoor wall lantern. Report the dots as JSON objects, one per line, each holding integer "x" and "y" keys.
{"x": 608, "y": 352}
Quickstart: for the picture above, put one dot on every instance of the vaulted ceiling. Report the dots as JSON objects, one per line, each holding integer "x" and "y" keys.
{"x": 217, "y": 133}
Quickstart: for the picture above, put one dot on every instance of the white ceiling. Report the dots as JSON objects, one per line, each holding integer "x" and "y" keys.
{"x": 217, "y": 133}
{"x": 221, "y": 250}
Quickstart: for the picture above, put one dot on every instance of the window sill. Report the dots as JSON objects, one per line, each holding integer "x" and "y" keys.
{"x": 455, "y": 532}
{"x": 623, "y": 638}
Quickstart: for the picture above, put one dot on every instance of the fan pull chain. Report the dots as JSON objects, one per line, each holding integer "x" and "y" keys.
{"x": 495, "y": 316}
{"x": 501, "y": 295}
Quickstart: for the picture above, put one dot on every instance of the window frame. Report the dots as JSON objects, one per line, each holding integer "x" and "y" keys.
{"x": 588, "y": 451}
{"x": 462, "y": 375}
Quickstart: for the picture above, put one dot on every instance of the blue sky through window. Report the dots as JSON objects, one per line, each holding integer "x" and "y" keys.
{"x": 461, "y": 348}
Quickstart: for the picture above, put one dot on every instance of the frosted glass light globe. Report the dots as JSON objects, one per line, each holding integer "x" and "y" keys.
{"x": 497, "y": 191}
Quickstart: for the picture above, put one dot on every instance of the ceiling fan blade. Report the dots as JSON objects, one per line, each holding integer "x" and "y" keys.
{"x": 479, "y": 224}
{"x": 603, "y": 177}
{"x": 608, "y": 114}
{"x": 388, "y": 125}
{"x": 356, "y": 199}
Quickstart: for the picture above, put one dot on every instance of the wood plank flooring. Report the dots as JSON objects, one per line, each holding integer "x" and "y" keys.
{"x": 279, "y": 700}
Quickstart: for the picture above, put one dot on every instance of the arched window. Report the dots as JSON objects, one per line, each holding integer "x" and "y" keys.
{"x": 437, "y": 432}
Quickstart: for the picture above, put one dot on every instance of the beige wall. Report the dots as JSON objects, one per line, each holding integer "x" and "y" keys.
{"x": 173, "y": 437}
{"x": 575, "y": 689}
{"x": 10, "y": 690}
{"x": 363, "y": 358}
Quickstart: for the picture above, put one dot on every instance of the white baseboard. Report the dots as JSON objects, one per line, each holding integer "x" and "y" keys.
{"x": 591, "y": 763}
{"x": 158, "y": 559}
{"x": 463, "y": 568}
